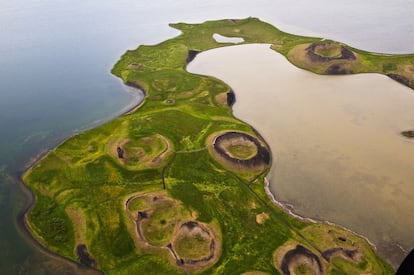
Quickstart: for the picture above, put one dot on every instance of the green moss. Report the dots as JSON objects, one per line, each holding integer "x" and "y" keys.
{"x": 53, "y": 225}
{"x": 242, "y": 151}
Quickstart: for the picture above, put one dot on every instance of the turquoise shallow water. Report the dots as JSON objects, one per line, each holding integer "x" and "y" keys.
{"x": 56, "y": 58}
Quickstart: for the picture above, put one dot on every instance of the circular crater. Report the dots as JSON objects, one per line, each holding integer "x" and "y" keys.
{"x": 144, "y": 152}
{"x": 156, "y": 217}
{"x": 241, "y": 149}
{"x": 193, "y": 244}
{"x": 301, "y": 260}
{"x": 328, "y": 51}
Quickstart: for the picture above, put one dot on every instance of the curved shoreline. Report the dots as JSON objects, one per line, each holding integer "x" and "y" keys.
{"x": 23, "y": 228}
{"x": 21, "y": 219}
{"x": 289, "y": 211}
{"x": 386, "y": 247}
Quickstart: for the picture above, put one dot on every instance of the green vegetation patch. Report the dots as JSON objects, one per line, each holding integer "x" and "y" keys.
{"x": 242, "y": 151}
{"x": 160, "y": 216}
{"x": 194, "y": 242}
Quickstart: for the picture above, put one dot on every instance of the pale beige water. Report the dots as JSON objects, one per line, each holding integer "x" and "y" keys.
{"x": 337, "y": 151}
{"x": 224, "y": 39}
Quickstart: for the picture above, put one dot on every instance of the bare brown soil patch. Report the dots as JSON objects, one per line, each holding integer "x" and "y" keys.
{"x": 135, "y": 66}
{"x": 157, "y": 160}
{"x": 262, "y": 218}
{"x": 78, "y": 218}
{"x": 221, "y": 99}
{"x": 187, "y": 94}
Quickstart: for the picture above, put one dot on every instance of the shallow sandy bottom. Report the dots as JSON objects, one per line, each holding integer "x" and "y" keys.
{"x": 337, "y": 151}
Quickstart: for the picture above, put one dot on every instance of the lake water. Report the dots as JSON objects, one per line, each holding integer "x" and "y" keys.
{"x": 56, "y": 57}
{"x": 337, "y": 151}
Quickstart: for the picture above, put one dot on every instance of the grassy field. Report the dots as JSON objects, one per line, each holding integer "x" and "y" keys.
{"x": 129, "y": 211}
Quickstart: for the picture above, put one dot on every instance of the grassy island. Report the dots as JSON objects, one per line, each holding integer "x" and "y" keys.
{"x": 176, "y": 186}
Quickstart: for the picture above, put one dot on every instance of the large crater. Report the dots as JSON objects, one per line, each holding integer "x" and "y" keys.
{"x": 241, "y": 149}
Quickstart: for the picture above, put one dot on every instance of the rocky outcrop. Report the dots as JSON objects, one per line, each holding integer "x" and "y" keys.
{"x": 338, "y": 69}
{"x": 191, "y": 55}
{"x": 231, "y": 98}
{"x": 120, "y": 152}
{"x": 408, "y": 134}
{"x": 84, "y": 257}
{"x": 399, "y": 78}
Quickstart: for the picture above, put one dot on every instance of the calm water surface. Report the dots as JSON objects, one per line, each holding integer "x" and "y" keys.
{"x": 336, "y": 144}
{"x": 56, "y": 57}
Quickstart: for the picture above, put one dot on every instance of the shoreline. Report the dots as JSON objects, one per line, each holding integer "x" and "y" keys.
{"x": 285, "y": 208}
{"x": 391, "y": 251}
{"x": 21, "y": 218}
{"x": 23, "y": 228}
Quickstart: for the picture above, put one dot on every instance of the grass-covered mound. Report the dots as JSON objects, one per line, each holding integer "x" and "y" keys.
{"x": 146, "y": 193}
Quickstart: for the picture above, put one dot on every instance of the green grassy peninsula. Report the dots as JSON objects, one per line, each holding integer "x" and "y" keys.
{"x": 176, "y": 186}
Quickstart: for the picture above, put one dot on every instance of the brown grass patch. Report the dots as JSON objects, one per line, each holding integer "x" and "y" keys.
{"x": 221, "y": 99}
{"x": 262, "y": 218}
{"x": 79, "y": 223}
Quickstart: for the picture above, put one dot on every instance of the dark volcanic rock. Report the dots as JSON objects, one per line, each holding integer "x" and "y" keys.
{"x": 191, "y": 55}
{"x": 408, "y": 134}
{"x": 84, "y": 257}
{"x": 399, "y": 78}
{"x": 120, "y": 152}
{"x": 190, "y": 225}
{"x": 231, "y": 98}
{"x": 136, "y": 85}
{"x": 338, "y": 69}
